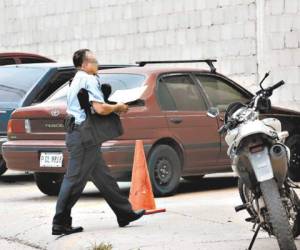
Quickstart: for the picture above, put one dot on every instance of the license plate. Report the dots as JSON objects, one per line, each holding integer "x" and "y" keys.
{"x": 51, "y": 159}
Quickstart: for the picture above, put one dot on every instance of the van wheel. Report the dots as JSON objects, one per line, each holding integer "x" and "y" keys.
{"x": 164, "y": 170}
{"x": 3, "y": 167}
{"x": 48, "y": 183}
{"x": 293, "y": 143}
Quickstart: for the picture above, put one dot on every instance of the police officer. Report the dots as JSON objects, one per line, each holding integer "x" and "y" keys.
{"x": 85, "y": 163}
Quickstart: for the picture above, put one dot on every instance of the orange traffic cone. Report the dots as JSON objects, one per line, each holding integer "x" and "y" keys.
{"x": 141, "y": 195}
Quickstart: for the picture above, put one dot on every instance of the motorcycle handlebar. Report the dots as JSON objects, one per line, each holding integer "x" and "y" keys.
{"x": 269, "y": 91}
{"x": 277, "y": 85}
{"x": 266, "y": 93}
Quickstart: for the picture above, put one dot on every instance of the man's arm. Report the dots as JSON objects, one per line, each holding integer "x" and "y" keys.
{"x": 106, "y": 109}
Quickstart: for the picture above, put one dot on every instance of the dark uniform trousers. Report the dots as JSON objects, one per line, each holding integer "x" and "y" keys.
{"x": 85, "y": 163}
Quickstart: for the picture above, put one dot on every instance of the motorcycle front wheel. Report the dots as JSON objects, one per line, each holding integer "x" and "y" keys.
{"x": 276, "y": 215}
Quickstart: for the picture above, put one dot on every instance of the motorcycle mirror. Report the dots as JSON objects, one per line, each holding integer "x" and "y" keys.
{"x": 213, "y": 112}
{"x": 260, "y": 84}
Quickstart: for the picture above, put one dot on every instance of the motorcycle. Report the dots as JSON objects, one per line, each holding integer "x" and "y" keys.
{"x": 260, "y": 159}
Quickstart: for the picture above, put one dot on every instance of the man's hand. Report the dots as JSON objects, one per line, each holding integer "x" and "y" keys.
{"x": 121, "y": 108}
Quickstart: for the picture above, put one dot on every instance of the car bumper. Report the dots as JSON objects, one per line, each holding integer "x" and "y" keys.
{"x": 24, "y": 155}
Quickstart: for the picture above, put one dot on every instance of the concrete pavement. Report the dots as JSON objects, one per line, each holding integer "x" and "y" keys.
{"x": 200, "y": 216}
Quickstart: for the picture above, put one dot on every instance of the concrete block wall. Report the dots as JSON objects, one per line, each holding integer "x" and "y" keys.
{"x": 281, "y": 49}
{"x": 125, "y": 31}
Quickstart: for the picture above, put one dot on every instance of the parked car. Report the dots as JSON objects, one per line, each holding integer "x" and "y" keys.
{"x": 171, "y": 118}
{"x": 8, "y": 58}
{"x": 26, "y": 84}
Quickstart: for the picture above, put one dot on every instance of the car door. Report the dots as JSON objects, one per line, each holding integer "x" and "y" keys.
{"x": 221, "y": 93}
{"x": 185, "y": 108}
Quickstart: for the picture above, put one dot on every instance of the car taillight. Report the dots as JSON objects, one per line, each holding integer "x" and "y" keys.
{"x": 15, "y": 126}
{"x": 9, "y": 127}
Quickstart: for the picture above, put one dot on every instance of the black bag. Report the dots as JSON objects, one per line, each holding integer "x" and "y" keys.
{"x": 97, "y": 129}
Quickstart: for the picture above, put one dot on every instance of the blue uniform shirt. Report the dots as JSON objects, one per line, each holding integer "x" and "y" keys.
{"x": 88, "y": 82}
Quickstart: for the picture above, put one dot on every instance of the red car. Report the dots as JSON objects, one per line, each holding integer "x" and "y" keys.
{"x": 171, "y": 118}
{"x": 21, "y": 58}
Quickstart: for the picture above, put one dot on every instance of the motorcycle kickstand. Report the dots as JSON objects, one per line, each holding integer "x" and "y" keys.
{"x": 254, "y": 237}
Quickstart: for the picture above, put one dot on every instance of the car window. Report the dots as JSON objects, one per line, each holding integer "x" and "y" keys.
{"x": 25, "y": 60}
{"x": 122, "y": 81}
{"x": 16, "y": 81}
{"x": 55, "y": 82}
{"x": 220, "y": 93}
{"x": 59, "y": 94}
{"x": 178, "y": 92}
{"x": 116, "y": 80}
{"x": 7, "y": 61}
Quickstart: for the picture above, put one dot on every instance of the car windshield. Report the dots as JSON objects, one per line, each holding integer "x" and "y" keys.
{"x": 117, "y": 81}
{"x": 15, "y": 82}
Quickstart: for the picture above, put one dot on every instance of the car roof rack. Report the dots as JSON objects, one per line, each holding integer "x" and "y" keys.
{"x": 209, "y": 62}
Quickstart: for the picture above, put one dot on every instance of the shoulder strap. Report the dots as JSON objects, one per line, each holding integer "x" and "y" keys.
{"x": 83, "y": 98}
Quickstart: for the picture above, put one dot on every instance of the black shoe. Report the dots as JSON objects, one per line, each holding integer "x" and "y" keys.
{"x": 135, "y": 215}
{"x": 59, "y": 229}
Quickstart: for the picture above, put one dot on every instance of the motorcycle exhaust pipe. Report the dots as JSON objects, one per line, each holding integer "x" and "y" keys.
{"x": 279, "y": 161}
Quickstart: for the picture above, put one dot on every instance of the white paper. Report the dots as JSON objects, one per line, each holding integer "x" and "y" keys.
{"x": 127, "y": 95}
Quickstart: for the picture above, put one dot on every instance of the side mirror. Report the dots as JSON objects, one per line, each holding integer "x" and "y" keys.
{"x": 213, "y": 112}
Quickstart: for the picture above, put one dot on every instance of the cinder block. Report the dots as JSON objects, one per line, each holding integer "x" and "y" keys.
{"x": 237, "y": 30}
{"x": 277, "y": 7}
{"x": 292, "y": 39}
{"x": 206, "y": 17}
{"x": 247, "y": 47}
{"x": 211, "y": 4}
{"x": 214, "y": 33}
{"x": 250, "y": 29}
{"x": 276, "y": 40}
{"x": 218, "y": 16}
{"x": 285, "y": 58}
{"x": 291, "y": 6}
{"x": 194, "y": 19}
{"x": 226, "y": 32}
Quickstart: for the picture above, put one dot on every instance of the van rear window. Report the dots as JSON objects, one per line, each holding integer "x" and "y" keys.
{"x": 15, "y": 82}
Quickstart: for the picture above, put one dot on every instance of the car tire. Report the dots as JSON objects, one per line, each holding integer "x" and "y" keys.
{"x": 3, "y": 167}
{"x": 293, "y": 143}
{"x": 164, "y": 170}
{"x": 193, "y": 177}
{"x": 49, "y": 183}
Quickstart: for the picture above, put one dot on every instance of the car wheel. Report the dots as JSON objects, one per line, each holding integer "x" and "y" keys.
{"x": 48, "y": 183}
{"x": 293, "y": 143}
{"x": 3, "y": 167}
{"x": 164, "y": 170}
{"x": 193, "y": 177}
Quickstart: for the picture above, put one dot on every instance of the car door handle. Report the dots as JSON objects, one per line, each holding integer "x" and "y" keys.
{"x": 176, "y": 120}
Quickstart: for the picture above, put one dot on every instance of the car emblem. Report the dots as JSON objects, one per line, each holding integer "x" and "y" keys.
{"x": 55, "y": 112}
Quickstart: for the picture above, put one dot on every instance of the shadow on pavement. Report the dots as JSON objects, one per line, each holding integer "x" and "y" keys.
{"x": 206, "y": 184}
{"x": 12, "y": 178}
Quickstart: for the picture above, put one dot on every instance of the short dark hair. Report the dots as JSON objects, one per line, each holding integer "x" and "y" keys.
{"x": 79, "y": 56}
